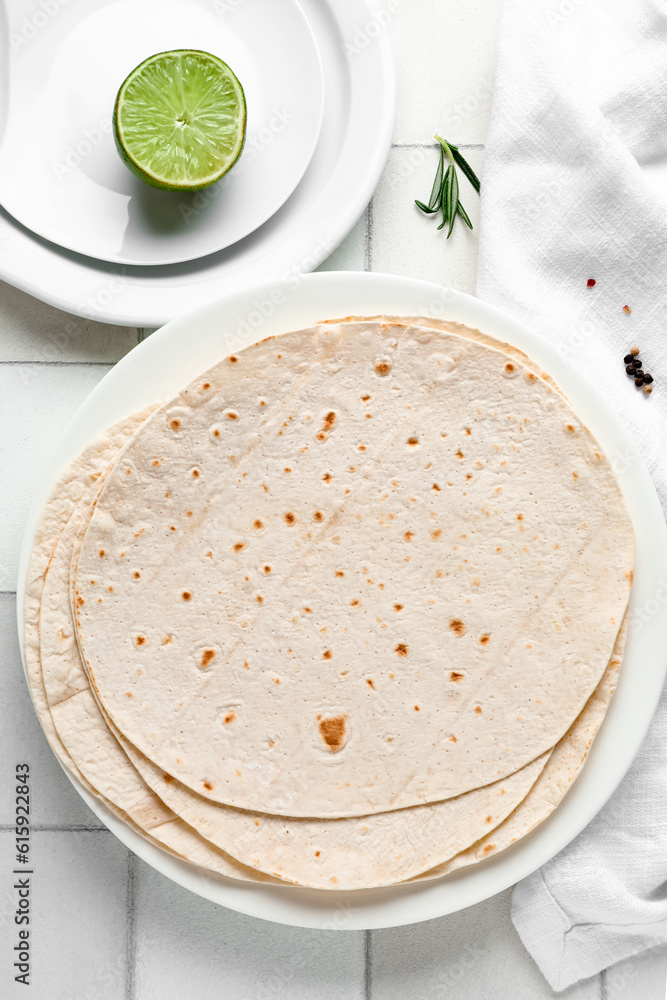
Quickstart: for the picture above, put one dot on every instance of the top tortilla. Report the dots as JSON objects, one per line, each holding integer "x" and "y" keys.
{"x": 354, "y": 568}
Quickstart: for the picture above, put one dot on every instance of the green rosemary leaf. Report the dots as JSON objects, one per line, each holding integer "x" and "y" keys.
{"x": 436, "y": 190}
{"x": 454, "y": 201}
{"x": 424, "y": 208}
{"x": 466, "y": 169}
{"x": 447, "y": 196}
{"x": 464, "y": 215}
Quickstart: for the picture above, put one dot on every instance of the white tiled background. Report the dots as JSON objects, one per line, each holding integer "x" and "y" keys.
{"x": 105, "y": 926}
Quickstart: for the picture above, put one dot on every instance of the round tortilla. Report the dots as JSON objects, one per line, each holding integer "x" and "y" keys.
{"x": 355, "y": 568}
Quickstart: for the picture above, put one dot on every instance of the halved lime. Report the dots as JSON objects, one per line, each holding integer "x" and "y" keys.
{"x": 180, "y": 120}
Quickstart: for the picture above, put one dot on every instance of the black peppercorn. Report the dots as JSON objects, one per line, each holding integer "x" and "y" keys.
{"x": 639, "y": 373}
{"x": 639, "y": 381}
{"x": 647, "y": 378}
{"x": 636, "y": 362}
{"x": 628, "y": 359}
{"x": 630, "y": 370}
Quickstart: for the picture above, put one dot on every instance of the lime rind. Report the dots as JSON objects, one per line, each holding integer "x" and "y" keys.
{"x": 180, "y": 120}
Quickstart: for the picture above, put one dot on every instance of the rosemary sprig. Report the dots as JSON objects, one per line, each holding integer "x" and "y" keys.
{"x": 445, "y": 191}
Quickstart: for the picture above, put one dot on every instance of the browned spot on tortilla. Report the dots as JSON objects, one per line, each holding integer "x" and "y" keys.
{"x": 136, "y": 574}
{"x": 457, "y": 626}
{"x": 140, "y": 640}
{"x": 166, "y": 640}
{"x": 175, "y": 424}
{"x": 354, "y": 603}
{"x": 216, "y": 432}
{"x": 257, "y": 524}
{"x": 333, "y": 879}
{"x": 259, "y": 599}
{"x": 484, "y": 640}
{"x": 398, "y": 607}
{"x": 195, "y": 473}
{"x": 233, "y": 358}
{"x": 327, "y": 654}
{"x": 452, "y": 739}
{"x": 321, "y": 436}
{"x": 230, "y": 717}
{"x": 382, "y": 367}
{"x": 417, "y": 708}
{"x": 330, "y": 419}
{"x": 267, "y": 569}
{"x": 436, "y": 533}
{"x": 489, "y": 819}
{"x": 570, "y": 428}
{"x": 401, "y": 649}
{"x": 469, "y": 475}
{"x": 519, "y": 517}
{"x": 361, "y": 447}
{"x": 186, "y": 595}
{"x": 190, "y": 513}
{"x": 317, "y": 854}
{"x": 370, "y": 683}
{"x": 232, "y": 415}
{"x": 509, "y": 367}
{"x": 206, "y": 657}
{"x": 413, "y": 441}
{"x": 156, "y": 462}
{"x": 326, "y": 478}
{"x": 459, "y": 454}
{"x": 318, "y": 516}
{"x": 128, "y": 694}
{"x": 339, "y": 572}
{"x": 208, "y": 786}
{"x": 265, "y": 487}
{"x": 629, "y": 576}
{"x": 408, "y": 535}
{"x": 478, "y": 709}
{"x": 575, "y": 475}
{"x": 365, "y": 397}
{"x": 287, "y": 469}
{"x": 455, "y": 676}
{"x": 168, "y": 777}
{"x": 172, "y": 528}
{"x": 468, "y": 431}
{"x": 435, "y": 487}
{"x": 332, "y": 731}
{"x": 238, "y": 546}
{"x": 80, "y": 600}
{"x": 489, "y": 848}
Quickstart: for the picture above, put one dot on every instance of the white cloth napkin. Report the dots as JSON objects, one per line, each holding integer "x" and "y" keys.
{"x": 575, "y": 187}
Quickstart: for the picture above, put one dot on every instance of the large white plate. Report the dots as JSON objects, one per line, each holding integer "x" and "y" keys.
{"x": 60, "y": 173}
{"x": 166, "y": 361}
{"x": 359, "y": 112}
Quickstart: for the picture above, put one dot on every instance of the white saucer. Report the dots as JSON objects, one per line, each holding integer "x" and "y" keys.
{"x": 60, "y": 174}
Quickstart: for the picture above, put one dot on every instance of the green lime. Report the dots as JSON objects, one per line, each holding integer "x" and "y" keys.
{"x": 180, "y": 120}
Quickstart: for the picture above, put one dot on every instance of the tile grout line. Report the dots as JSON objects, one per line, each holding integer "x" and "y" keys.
{"x": 368, "y": 243}
{"x": 434, "y": 145}
{"x": 130, "y": 940}
{"x": 61, "y": 364}
{"x": 367, "y": 965}
{"x": 56, "y": 828}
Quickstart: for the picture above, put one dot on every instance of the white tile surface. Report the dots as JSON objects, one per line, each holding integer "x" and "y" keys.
{"x": 473, "y": 954}
{"x": 187, "y": 947}
{"x": 78, "y": 930}
{"x": 445, "y": 56}
{"x": 32, "y": 331}
{"x": 351, "y": 254}
{"x": 53, "y": 800}
{"x": 37, "y": 401}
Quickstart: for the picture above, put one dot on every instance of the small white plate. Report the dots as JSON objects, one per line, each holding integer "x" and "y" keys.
{"x": 60, "y": 173}
{"x": 167, "y": 360}
{"x": 359, "y": 113}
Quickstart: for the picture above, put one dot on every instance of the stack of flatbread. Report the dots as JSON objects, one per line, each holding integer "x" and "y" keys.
{"x": 346, "y": 612}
